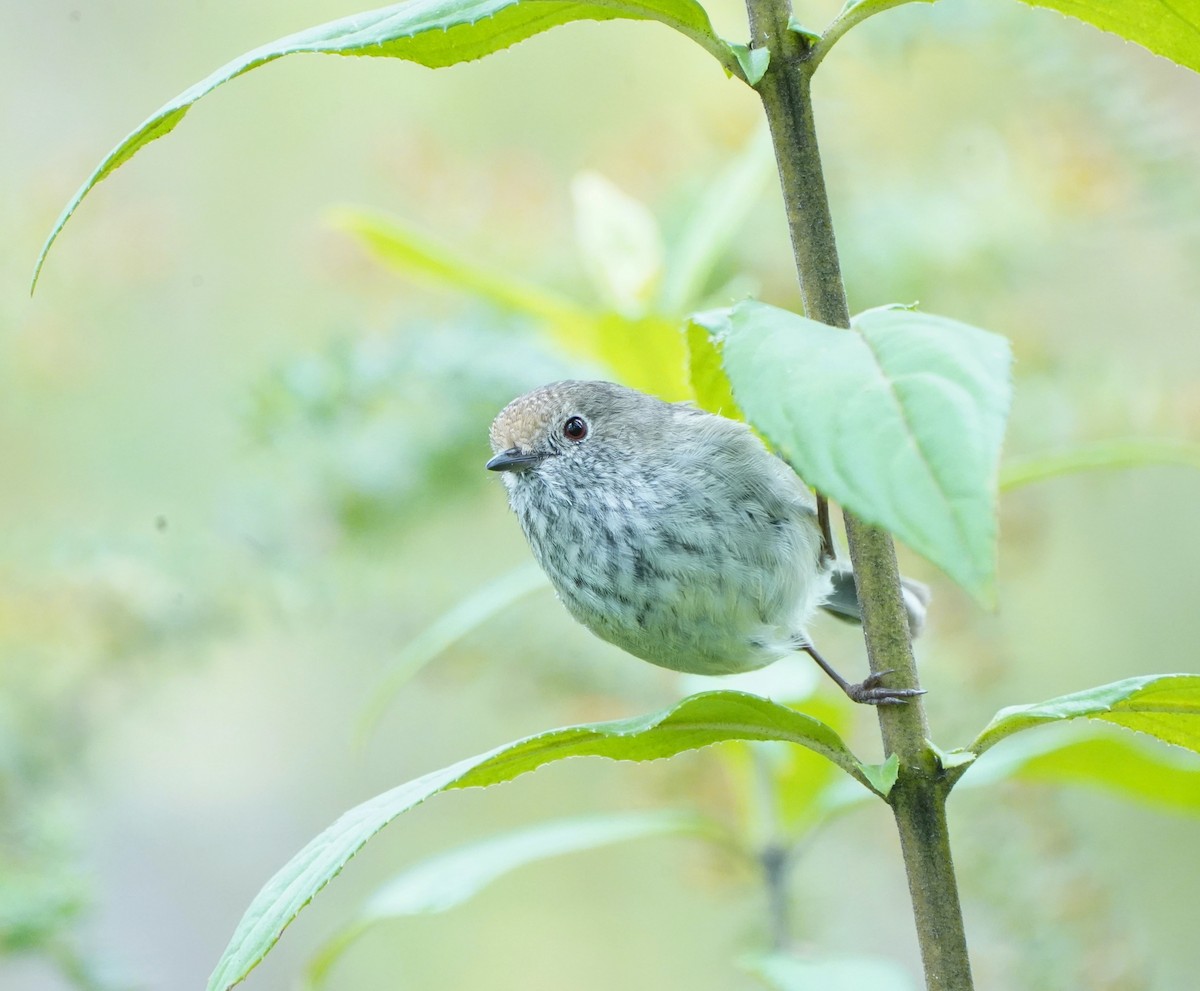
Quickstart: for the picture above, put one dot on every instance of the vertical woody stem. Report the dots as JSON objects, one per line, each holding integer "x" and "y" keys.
{"x": 919, "y": 795}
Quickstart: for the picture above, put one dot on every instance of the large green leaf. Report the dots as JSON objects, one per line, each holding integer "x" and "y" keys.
{"x": 1166, "y": 706}
{"x": 900, "y": 420}
{"x": 433, "y": 33}
{"x": 450, "y": 879}
{"x": 1170, "y": 28}
{"x": 693, "y": 723}
{"x": 413, "y": 253}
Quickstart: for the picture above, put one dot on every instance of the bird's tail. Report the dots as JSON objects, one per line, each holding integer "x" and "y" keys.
{"x": 843, "y": 600}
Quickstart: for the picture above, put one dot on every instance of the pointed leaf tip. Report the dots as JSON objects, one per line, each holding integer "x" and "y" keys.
{"x": 433, "y": 33}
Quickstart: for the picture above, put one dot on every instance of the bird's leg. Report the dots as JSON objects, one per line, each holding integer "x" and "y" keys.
{"x": 869, "y": 691}
{"x": 828, "y": 552}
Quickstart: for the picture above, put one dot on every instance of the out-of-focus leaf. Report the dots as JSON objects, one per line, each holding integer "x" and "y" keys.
{"x": 649, "y": 353}
{"x": 802, "y": 777}
{"x": 788, "y": 973}
{"x": 447, "y": 881}
{"x": 619, "y": 243}
{"x": 467, "y": 615}
{"x": 1146, "y": 773}
{"x": 1170, "y": 28}
{"x": 780, "y": 788}
{"x": 571, "y": 326}
{"x": 714, "y": 221}
{"x": 413, "y": 253}
{"x": 1102, "y": 455}
{"x": 695, "y": 722}
{"x": 433, "y": 33}
{"x": 1166, "y": 706}
{"x": 710, "y": 384}
{"x": 901, "y": 421}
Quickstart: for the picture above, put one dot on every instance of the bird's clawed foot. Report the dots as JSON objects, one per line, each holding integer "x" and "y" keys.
{"x": 871, "y": 692}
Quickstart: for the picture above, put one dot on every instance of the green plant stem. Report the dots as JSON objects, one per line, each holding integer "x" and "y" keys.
{"x": 918, "y": 798}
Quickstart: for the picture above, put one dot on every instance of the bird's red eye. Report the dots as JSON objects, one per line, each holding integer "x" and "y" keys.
{"x": 575, "y": 428}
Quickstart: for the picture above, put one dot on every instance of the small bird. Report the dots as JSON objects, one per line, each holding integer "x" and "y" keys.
{"x": 674, "y": 533}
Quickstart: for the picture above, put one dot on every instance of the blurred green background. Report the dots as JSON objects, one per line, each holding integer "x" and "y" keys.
{"x": 242, "y": 468}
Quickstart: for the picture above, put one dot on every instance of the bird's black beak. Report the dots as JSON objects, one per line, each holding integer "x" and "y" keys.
{"x": 514, "y": 459}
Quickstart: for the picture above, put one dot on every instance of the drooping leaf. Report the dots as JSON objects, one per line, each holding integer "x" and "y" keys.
{"x": 1100, "y": 456}
{"x": 415, "y": 254}
{"x": 619, "y": 242}
{"x": 450, "y": 879}
{"x": 1143, "y": 772}
{"x": 433, "y": 33}
{"x": 900, "y": 420}
{"x": 647, "y": 352}
{"x": 1166, "y": 706}
{"x": 695, "y": 722}
{"x": 464, "y": 617}
{"x": 1170, "y": 28}
{"x": 783, "y": 972}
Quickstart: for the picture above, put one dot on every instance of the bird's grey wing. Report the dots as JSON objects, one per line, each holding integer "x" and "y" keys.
{"x": 842, "y": 602}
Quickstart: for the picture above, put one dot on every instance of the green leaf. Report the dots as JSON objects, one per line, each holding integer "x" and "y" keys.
{"x": 647, "y": 352}
{"x": 900, "y": 421}
{"x": 779, "y": 789}
{"x": 710, "y": 385}
{"x": 754, "y": 62}
{"x": 695, "y": 722}
{"x": 619, "y": 242}
{"x": 1166, "y": 706}
{"x": 413, "y": 253}
{"x": 433, "y": 33}
{"x": 883, "y": 776}
{"x": 1150, "y": 774}
{"x": 1170, "y": 28}
{"x": 467, "y": 615}
{"x": 1102, "y": 455}
{"x": 949, "y": 760}
{"x": 450, "y": 879}
{"x": 810, "y": 36}
{"x": 788, "y": 973}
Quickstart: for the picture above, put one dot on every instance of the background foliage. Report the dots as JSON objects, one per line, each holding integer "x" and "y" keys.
{"x": 244, "y": 470}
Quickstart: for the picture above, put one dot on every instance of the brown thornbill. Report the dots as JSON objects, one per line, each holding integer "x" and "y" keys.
{"x": 674, "y": 533}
